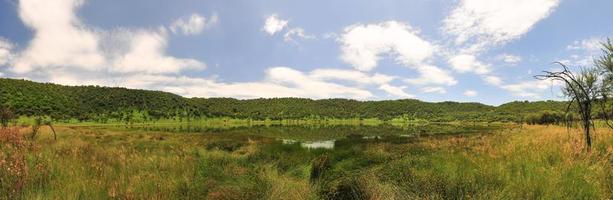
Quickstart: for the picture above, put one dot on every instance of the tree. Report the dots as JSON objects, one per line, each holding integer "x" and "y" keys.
{"x": 587, "y": 87}
{"x": 6, "y": 115}
{"x": 604, "y": 65}
{"x": 38, "y": 122}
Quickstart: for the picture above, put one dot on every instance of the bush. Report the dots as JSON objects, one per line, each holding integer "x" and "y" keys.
{"x": 319, "y": 167}
{"x": 546, "y": 118}
{"x": 6, "y": 116}
{"x": 349, "y": 188}
{"x": 13, "y": 166}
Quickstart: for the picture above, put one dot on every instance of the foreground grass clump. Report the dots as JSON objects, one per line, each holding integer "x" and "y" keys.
{"x": 535, "y": 162}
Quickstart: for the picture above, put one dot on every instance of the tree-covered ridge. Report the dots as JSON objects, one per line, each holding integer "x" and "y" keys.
{"x": 29, "y": 98}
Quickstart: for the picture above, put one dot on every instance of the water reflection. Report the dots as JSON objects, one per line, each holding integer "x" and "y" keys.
{"x": 323, "y": 136}
{"x": 289, "y": 141}
{"x": 372, "y": 137}
{"x": 326, "y": 144}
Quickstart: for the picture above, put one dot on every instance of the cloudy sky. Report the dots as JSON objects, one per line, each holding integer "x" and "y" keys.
{"x": 434, "y": 50}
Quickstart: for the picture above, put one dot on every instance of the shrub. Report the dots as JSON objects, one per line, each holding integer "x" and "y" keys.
{"x": 13, "y": 166}
{"x": 319, "y": 167}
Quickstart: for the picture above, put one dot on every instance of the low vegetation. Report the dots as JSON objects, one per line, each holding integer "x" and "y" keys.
{"x": 536, "y": 162}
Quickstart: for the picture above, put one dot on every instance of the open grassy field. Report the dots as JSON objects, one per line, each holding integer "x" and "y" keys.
{"x": 533, "y": 162}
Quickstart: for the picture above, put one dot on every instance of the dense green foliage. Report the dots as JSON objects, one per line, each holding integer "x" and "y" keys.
{"x": 94, "y": 103}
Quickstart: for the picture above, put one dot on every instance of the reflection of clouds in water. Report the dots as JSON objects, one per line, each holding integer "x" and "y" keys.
{"x": 288, "y": 141}
{"x": 407, "y": 135}
{"x": 326, "y": 144}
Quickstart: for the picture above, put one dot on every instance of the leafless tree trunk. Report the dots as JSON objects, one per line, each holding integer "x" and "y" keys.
{"x": 37, "y": 124}
{"x": 582, "y": 90}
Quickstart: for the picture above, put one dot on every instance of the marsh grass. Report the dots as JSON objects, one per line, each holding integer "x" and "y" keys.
{"x": 536, "y": 162}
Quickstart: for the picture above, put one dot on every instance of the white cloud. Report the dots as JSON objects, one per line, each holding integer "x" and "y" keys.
{"x": 274, "y": 24}
{"x": 361, "y": 78}
{"x": 194, "y": 25}
{"x": 146, "y": 54}
{"x": 65, "y": 51}
{"x": 584, "y": 51}
{"x": 439, "y": 90}
{"x": 62, "y": 43}
{"x": 592, "y": 44}
{"x": 432, "y": 75}
{"x": 470, "y": 93}
{"x": 532, "y": 89}
{"x": 6, "y": 54}
{"x": 279, "y": 82}
{"x": 306, "y": 84}
{"x": 486, "y": 23}
{"x": 468, "y": 63}
{"x": 350, "y": 75}
{"x": 395, "y": 90}
{"x": 296, "y": 32}
{"x": 362, "y": 45}
{"x": 509, "y": 58}
{"x": 492, "y": 80}
{"x": 59, "y": 39}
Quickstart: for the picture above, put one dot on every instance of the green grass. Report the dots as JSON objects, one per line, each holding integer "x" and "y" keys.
{"x": 439, "y": 162}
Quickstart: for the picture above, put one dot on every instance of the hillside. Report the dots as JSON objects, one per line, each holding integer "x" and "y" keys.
{"x": 90, "y": 102}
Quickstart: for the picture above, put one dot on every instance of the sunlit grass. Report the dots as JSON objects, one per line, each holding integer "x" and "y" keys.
{"x": 547, "y": 162}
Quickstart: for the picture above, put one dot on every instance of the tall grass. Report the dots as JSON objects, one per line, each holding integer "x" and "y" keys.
{"x": 536, "y": 162}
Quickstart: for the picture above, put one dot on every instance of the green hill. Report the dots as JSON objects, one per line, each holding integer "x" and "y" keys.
{"x": 91, "y": 102}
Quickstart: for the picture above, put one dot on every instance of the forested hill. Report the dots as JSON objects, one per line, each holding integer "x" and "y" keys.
{"x": 93, "y": 102}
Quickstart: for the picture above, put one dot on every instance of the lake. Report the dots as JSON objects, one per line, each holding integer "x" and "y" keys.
{"x": 328, "y": 137}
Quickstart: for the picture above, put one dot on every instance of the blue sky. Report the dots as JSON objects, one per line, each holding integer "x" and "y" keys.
{"x": 466, "y": 50}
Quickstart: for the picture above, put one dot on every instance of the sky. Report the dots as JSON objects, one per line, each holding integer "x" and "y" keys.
{"x": 484, "y": 51}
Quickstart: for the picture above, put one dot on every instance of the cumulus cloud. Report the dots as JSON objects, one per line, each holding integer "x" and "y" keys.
{"x": 477, "y": 25}
{"x": 278, "y": 82}
{"x": 66, "y": 51}
{"x": 509, "y": 58}
{"x": 362, "y": 45}
{"x": 61, "y": 41}
{"x": 274, "y": 24}
{"x": 351, "y": 75}
{"x": 583, "y": 51}
{"x": 6, "y": 54}
{"x": 493, "y": 80}
{"x": 468, "y": 63}
{"x": 592, "y": 44}
{"x": 147, "y": 54}
{"x": 439, "y": 90}
{"x": 485, "y": 23}
{"x": 532, "y": 89}
{"x": 294, "y": 33}
{"x": 363, "y": 79}
{"x": 432, "y": 75}
{"x": 193, "y": 25}
{"x": 470, "y": 93}
{"x": 395, "y": 90}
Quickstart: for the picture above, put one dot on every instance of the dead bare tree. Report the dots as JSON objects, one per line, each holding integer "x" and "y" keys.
{"x": 589, "y": 86}
{"x": 582, "y": 89}
{"x": 38, "y": 122}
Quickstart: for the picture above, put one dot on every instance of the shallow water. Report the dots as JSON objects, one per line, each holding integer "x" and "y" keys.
{"x": 326, "y": 144}
{"x": 321, "y": 136}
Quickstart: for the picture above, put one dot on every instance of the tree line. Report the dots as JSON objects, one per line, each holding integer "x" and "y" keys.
{"x": 95, "y": 103}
